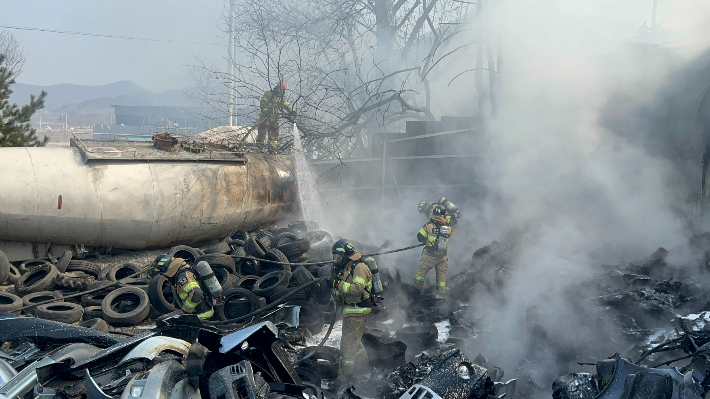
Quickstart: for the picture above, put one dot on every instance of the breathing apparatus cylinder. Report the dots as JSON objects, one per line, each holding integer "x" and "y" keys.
{"x": 450, "y": 207}
{"x": 443, "y": 239}
{"x": 207, "y": 277}
{"x": 376, "y": 282}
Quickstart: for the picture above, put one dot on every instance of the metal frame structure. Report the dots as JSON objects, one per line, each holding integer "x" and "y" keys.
{"x": 386, "y": 160}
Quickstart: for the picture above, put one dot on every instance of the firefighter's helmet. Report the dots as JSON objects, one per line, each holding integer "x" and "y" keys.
{"x": 162, "y": 262}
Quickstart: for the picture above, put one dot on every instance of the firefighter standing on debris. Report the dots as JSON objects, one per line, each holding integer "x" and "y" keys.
{"x": 435, "y": 236}
{"x": 273, "y": 105}
{"x": 353, "y": 287}
{"x": 194, "y": 294}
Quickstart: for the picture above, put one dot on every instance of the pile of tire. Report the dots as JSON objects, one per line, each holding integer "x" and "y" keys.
{"x": 250, "y": 284}
{"x": 37, "y": 281}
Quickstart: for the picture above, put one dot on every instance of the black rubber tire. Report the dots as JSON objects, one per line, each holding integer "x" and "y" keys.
{"x": 302, "y": 275}
{"x": 75, "y": 280}
{"x": 97, "y": 324}
{"x": 238, "y": 261}
{"x": 31, "y": 264}
{"x": 247, "y": 282}
{"x": 271, "y": 283}
{"x": 218, "y": 260}
{"x": 129, "y": 318}
{"x": 124, "y": 270}
{"x": 308, "y": 375}
{"x": 255, "y": 247}
{"x": 141, "y": 283}
{"x": 247, "y": 302}
{"x": 318, "y": 237}
{"x": 14, "y": 275}
{"x": 220, "y": 248}
{"x": 37, "y": 297}
{"x": 287, "y": 230}
{"x": 310, "y": 317}
{"x": 66, "y": 293}
{"x": 64, "y": 261}
{"x": 84, "y": 266}
{"x": 285, "y": 238}
{"x": 65, "y": 312}
{"x": 313, "y": 269}
{"x": 221, "y": 274}
{"x": 267, "y": 238}
{"x": 250, "y": 267}
{"x": 239, "y": 235}
{"x": 294, "y": 249}
{"x": 324, "y": 361}
{"x": 103, "y": 274}
{"x": 40, "y": 278}
{"x": 298, "y": 296}
{"x": 160, "y": 294}
{"x": 321, "y": 244}
{"x": 92, "y": 312}
{"x": 276, "y": 256}
{"x": 94, "y": 298}
{"x": 234, "y": 244}
{"x": 4, "y": 268}
{"x": 10, "y": 303}
{"x": 184, "y": 252}
{"x": 231, "y": 282}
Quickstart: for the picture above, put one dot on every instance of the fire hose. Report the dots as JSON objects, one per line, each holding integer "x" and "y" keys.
{"x": 265, "y": 309}
{"x": 325, "y": 262}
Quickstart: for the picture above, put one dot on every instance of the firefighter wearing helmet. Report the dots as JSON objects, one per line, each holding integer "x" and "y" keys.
{"x": 353, "y": 290}
{"x": 435, "y": 236}
{"x": 196, "y": 286}
{"x": 273, "y": 105}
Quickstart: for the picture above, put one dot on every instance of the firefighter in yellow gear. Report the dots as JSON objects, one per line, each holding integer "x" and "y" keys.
{"x": 353, "y": 287}
{"x": 273, "y": 105}
{"x": 188, "y": 288}
{"x": 434, "y": 235}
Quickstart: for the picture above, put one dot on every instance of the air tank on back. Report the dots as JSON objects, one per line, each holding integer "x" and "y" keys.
{"x": 97, "y": 193}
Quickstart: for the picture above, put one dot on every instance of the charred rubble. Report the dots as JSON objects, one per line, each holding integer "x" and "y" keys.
{"x": 267, "y": 339}
{"x": 72, "y": 329}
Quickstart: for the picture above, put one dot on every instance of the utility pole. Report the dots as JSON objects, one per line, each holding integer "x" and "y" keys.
{"x": 230, "y": 59}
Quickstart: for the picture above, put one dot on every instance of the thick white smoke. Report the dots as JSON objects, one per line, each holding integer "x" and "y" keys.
{"x": 579, "y": 193}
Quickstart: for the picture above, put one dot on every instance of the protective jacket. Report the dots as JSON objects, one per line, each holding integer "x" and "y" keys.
{"x": 193, "y": 296}
{"x": 272, "y": 106}
{"x": 429, "y": 234}
{"x": 353, "y": 287}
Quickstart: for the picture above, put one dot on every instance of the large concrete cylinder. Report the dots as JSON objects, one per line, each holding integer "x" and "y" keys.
{"x": 51, "y": 195}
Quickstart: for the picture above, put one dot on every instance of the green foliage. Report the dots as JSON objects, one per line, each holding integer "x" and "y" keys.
{"x": 15, "y": 128}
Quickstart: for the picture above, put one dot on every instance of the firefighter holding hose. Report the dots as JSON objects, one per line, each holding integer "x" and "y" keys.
{"x": 353, "y": 286}
{"x": 273, "y": 105}
{"x": 196, "y": 286}
{"x": 435, "y": 236}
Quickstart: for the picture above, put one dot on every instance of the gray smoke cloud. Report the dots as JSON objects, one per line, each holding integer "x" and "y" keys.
{"x": 576, "y": 168}
{"x": 593, "y": 158}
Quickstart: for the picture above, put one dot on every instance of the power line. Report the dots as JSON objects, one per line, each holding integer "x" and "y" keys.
{"x": 66, "y": 32}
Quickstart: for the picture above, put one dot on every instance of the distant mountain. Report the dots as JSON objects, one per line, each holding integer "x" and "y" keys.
{"x": 96, "y": 97}
{"x": 174, "y": 98}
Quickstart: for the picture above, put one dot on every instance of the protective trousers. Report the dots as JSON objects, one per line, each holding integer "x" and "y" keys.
{"x": 352, "y": 352}
{"x": 272, "y": 128}
{"x": 428, "y": 262}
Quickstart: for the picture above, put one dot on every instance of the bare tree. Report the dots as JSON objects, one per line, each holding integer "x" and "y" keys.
{"x": 14, "y": 57}
{"x": 353, "y": 67}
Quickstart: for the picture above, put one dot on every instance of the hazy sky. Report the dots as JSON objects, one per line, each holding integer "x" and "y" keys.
{"x": 59, "y": 58}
